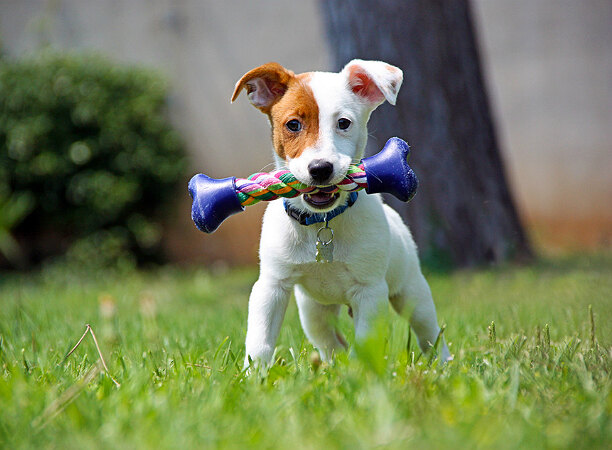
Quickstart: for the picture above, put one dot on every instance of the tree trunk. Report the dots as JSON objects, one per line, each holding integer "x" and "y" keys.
{"x": 463, "y": 212}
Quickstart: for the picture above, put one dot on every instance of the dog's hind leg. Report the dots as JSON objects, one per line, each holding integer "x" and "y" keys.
{"x": 319, "y": 324}
{"x": 415, "y": 303}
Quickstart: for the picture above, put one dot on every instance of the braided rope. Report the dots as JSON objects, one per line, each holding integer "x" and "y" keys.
{"x": 264, "y": 186}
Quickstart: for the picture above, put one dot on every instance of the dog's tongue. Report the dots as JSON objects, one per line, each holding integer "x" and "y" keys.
{"x": 320, "y": 197}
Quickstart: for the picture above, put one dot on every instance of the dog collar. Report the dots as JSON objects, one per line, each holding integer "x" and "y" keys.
{"x": 304, "y": 218}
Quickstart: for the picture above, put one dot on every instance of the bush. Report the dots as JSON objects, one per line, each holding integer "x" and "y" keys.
{"x": 87, "y": 158}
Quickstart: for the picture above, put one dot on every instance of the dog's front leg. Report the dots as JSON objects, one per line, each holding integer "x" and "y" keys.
{"x": 267, "y": 305}
{"x": 370, "y": 304}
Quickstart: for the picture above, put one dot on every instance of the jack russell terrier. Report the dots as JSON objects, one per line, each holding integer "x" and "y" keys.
{"x": 330, "y": 249}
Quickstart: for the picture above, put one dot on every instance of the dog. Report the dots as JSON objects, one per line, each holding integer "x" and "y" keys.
{"x": 319, "y": 127}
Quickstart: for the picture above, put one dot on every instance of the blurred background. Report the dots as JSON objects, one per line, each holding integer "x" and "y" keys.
{"x": 547, "y": 65}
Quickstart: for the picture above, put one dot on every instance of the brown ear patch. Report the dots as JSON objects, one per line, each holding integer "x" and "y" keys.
{"x": 265, "y": 85}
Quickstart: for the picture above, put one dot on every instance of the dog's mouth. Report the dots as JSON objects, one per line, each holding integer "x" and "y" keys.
{"x": 321, "y": 200}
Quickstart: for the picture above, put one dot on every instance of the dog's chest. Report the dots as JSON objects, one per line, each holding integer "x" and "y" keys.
{"x": 328, "y": 283}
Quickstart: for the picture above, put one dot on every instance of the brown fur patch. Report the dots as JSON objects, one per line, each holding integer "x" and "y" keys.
{"x": 297, "y": 103}
{"x": 293, "y": 99}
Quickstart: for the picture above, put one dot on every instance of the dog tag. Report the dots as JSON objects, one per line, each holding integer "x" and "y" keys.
{"x": 325, "y": 244}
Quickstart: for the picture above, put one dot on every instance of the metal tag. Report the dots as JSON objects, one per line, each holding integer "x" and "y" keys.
{"x": 325, "y": 244}
{"x": 325, "y": 252}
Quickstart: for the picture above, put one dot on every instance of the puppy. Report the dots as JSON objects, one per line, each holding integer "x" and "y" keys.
{"x": 319, "y": 127}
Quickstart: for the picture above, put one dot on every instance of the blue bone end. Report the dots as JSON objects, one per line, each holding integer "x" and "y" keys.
{"x": 213, "y": 201}
{"x": 388, "y": 171}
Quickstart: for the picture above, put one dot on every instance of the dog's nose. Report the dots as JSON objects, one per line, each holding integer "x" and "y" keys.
{"x": 320, "y": 170}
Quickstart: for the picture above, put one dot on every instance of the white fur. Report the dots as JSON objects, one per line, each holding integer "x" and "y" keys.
{"x": 375, "y": 257}
{"x": 340, "y": 147}
{"x": 387, "y": 77}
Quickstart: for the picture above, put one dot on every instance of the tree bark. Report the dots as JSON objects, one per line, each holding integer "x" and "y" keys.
{"x": 463, "y": 212}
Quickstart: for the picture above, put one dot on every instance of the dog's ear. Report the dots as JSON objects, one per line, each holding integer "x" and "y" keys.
{"x": 265, "y": 85}
{"x": 374, "y": 81}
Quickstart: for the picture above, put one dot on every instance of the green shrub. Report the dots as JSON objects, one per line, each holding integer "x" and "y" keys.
{"x": 87, "y": 158}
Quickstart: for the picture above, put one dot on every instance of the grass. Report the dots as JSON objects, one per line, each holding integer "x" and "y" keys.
{"x": 531, "y": 369}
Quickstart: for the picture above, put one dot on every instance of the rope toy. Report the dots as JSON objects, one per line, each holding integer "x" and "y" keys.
{"x": 214, "y": 200}
{"x": 282, "y": 183}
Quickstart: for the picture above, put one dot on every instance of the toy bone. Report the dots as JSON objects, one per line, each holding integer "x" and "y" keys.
{"x": 214, "y": 200}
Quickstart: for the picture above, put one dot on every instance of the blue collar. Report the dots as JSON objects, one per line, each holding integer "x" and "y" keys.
{"x": 304, "y": 218}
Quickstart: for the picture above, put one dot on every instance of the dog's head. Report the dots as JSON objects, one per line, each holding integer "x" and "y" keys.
{"x": 319, "y": 119}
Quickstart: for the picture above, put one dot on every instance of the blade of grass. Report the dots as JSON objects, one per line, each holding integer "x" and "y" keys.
{"x": 67, "y": 397}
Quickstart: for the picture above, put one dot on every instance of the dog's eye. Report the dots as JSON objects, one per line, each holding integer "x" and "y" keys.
{"x": 294, "y": 125}
{"x": 344, "y": 123}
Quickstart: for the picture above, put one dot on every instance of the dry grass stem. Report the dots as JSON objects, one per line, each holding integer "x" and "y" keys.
{"x": 93, "y": 335}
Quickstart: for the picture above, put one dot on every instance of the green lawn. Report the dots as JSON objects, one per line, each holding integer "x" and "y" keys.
{"x": 174, "y": 338}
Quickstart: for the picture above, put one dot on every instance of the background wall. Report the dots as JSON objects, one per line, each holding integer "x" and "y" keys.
{"x": 548, "y": 63}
